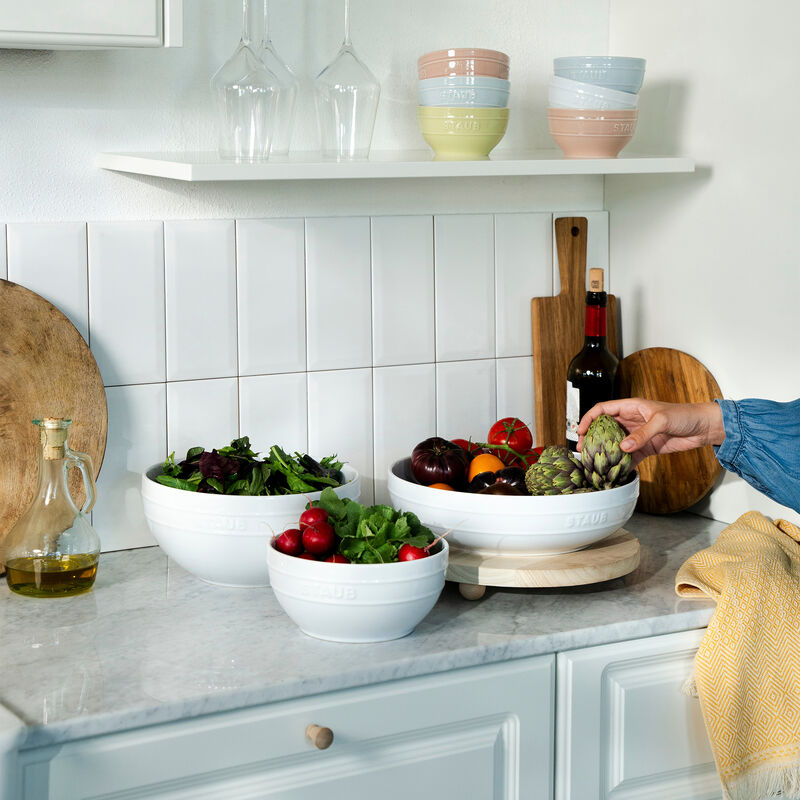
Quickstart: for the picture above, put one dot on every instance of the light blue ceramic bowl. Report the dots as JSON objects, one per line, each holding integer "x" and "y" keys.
{"x": 614, "y": 72}
{"x": 460, "y": 91}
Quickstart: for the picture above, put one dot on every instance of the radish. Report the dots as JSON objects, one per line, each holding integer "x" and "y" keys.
{"x": 408, "y": 552}
{"x": 319, "y": 538}
{"x": 290, "y": 542}
{"x": 312, "y": 516}
{"x": 307, "y": 556}
{"x": 336, "y": 558}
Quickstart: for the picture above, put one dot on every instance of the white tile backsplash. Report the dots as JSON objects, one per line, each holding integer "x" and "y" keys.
{"x": 202, "y": 413}
{"x": 274, "y": 410}
{"x": 3, "y": 270}
{"x": 338, "y": 293}
{"x": 137, "y": 439}
{"x": 272, "y": 295}
{"x": 340, "y": 420}
{"x": 402, "y": 290}
{"x": 522, "y": 247}
{"x": 126, "y": 301}
{"x": 515, "y": 390}
{"x": 466, "y": 399}
{"x": 404, "y": 414}
{"x": 464, "y": 258}
{"x": 357, "y": 336}
{"x": 50, "y": 259}
{"x": 200, "y": 267}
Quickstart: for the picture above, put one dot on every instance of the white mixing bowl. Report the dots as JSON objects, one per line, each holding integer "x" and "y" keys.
{"x": 224, "y": 539}
{"x": 514, "y": 526}
{"x": 357, "y": 602}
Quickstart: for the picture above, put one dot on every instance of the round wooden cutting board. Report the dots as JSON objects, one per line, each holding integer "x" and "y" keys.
{"x": 675, "y": 481}
{"x": 46, "y": 370}
{"x": 612, "y": 557}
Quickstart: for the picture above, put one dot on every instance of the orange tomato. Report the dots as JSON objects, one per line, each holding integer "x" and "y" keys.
{"x": 441, "y": 486}
{"x": 484, "y": 462}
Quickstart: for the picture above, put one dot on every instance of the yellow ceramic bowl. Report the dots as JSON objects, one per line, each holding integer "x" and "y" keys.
{"x": 462, "y": 134}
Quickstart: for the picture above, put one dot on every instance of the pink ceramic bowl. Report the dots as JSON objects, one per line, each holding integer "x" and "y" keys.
{"x": 583, "y": 133}
{"x": 464, "y": 61}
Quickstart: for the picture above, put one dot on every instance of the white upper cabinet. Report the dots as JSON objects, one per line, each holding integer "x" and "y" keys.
{"x": 54, "y": 24}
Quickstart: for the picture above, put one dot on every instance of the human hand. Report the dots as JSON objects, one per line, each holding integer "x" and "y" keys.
{"x": 654, "y": 427}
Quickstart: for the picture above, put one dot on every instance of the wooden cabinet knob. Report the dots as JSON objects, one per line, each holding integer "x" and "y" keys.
{"x": 321, "y": 738}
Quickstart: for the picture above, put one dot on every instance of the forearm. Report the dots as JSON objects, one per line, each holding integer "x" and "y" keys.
{"x": 762, "y": 445}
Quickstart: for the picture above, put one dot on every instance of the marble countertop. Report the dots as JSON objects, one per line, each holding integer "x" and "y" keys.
{"x": 152, "y": 644}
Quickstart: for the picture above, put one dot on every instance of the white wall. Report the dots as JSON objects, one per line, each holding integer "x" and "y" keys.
{"x": 710, "y": 263}
{"x": 60, "y": 108}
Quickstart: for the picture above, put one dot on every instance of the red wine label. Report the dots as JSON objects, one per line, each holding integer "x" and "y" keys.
{"x": 573, "y": 411}
{"x": 595, "y": 321}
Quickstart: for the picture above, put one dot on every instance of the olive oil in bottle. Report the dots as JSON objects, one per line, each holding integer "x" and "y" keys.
{"x": 591, "y": 373}
{"x": 52, "y": 550}
{"x": 51, "y": 576}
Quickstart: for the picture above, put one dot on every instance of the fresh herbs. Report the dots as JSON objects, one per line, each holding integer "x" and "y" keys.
{"x": 236, "y": 469}
{"x": 371, "y": 534}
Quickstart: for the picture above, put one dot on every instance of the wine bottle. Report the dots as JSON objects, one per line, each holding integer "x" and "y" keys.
{"x": 591, "y": 373}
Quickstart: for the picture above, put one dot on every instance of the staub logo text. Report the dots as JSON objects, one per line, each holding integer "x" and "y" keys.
{"x": 585, "y": 520}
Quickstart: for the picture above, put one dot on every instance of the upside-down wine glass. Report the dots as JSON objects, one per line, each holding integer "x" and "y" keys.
{"x": 287, "y": 91}
{"x": 246, "y": 92}
{"x": 347, "y": 95}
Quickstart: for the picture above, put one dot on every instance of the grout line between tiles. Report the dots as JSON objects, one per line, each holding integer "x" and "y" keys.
{"x": 236, "y": 326}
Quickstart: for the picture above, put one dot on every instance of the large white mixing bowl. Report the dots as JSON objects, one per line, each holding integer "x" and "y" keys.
{"x": 224, "y": 538}
{"x": 514, "y": 526}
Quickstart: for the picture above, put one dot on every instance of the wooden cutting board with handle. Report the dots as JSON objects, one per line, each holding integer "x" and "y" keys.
{"x": 557, "y": 329}
{"x": 674, "y": 481}
{"x": 46, "y": 370}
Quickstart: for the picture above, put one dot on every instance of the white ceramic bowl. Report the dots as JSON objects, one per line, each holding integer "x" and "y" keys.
{"x": 357, "y": 602}
{"x": 458, "y": 91}
{"x": 616, "y": 72}
{"x": 519, "y": 526}
{"x": 224, "y": 539}
{"x": 565, "y": 93}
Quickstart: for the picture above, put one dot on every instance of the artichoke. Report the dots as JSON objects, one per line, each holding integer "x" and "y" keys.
{"x": 606, "y": 465}
{"x": 556, "y": 472}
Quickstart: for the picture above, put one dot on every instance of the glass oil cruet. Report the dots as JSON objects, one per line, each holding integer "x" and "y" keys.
{"x": 52, "y": 550}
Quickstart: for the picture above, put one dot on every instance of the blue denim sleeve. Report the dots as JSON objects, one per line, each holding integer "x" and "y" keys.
{"x": 762, "y": 445}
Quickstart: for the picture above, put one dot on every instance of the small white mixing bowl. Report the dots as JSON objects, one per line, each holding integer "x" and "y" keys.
{"x": 357, "y": 602}
{"x": 514, "y": 526}
{"x": 224, "y": 539}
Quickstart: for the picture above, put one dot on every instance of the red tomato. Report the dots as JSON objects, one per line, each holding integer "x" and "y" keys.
{"x": 530, "y": 457}
{"x": 512, "y": 432}
{"x": 471, "y": 447}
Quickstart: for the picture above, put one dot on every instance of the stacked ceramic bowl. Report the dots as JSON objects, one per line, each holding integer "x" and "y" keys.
{"x": 463, "y": 101}
{"x": 593, "y": 104}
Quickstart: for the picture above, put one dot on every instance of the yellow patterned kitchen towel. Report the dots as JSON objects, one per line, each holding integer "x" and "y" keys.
{"x": 747, "y": 669}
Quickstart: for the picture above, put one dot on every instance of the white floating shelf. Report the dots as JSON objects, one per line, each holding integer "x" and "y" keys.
{"x": 207, "y": 166}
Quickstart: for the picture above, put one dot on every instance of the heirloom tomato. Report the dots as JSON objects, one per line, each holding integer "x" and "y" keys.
{"x": 512, "y": 432}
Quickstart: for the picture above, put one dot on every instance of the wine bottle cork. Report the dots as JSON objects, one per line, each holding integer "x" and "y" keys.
{"x": 595, "y": 279}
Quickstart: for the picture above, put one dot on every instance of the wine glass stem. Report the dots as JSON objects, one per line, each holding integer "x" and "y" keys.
{"x": 246, "y": 21}
{"x": 346, "y": 22}
{"x": 265, "y": 36}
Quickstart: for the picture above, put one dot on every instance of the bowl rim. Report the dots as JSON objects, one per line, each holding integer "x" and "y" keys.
{"x": 581, "y": 87}
{"x": 465, "y": 82}
{"x": 362, "y": 569}
{"x": 461, "y": 53}
{"x": 586, "y": 62}
{"x": 594, "y": 114}
{"x": 347, "y": 469}
{"x": 509, "y": 502}
{"x": 439, "y": 112}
